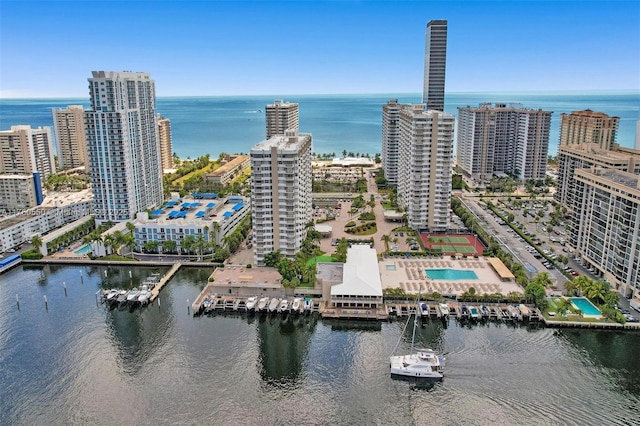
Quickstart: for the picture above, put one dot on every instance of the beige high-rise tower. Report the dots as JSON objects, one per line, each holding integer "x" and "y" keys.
{"x": 24, "y": 150}
{"x": 71, "y": 139}
{"x": 281, "y": 116}
{"x": 582, "y": 127}
{"x": 164, "y": 134}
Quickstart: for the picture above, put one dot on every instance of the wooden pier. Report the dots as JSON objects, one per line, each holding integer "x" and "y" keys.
{"x": 165, "y": 279}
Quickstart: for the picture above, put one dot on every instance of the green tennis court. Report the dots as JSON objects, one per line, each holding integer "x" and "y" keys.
{"x": 447, "y": 248}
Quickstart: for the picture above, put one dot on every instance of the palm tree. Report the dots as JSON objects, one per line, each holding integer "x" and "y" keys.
{"x": 169, "y": 246}
{"x": 36, "y": 242}
{"x": 130, "y": 243}
{"x": 187, "y": 244}
{"x": 386, "y": 240}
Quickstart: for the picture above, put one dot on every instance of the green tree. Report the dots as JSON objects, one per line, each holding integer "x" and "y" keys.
{"x": 36, "y": 242}
{"x": 272, "y": 259}
{"x": 169, "y": 246}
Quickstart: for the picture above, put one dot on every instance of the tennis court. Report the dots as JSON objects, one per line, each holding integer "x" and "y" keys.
{"x": 452, "y": 244}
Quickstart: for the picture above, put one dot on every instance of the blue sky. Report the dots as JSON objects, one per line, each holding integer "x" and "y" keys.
{"x": 49, "y": 48}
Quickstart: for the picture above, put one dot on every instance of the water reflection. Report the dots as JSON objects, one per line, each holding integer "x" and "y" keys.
{"x": 284, "y": 344}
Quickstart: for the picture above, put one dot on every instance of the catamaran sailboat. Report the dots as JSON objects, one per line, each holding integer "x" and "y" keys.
{"x": 423, "y": 364}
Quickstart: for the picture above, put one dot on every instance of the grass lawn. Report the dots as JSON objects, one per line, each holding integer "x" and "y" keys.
{"x": 117, "y": 257}
{"x": 317, "y": 259}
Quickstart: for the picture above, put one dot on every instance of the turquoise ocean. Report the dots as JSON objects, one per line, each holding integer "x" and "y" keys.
{"x": 215, "y": 124}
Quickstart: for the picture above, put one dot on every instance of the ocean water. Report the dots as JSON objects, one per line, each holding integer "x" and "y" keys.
{"x": 212, "y": 125}
{"x": 77, "y": 362}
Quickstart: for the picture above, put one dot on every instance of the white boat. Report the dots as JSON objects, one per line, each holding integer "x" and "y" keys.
{"x": 295, "y": 306}
{"x": 308, "y": 304}
{"x": 444, "y": 308}
{"x": 284, "y": 305}
{"x": 474, "y": 313}
{"x": 263, "y": 303}
{"x": 132, "y": 296}
{"x": 144, "y": 295}
{"x": 122, "y": 297}
{"x": 423, "y": 364}
{"x": 112, "y": 295}
{"x": 251, "y": 303}
{"x": 423, "y": 309}
{"x": 273, "y": 305}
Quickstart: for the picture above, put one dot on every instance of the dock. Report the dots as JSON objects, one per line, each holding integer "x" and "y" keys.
{"x": 165, "y": 279}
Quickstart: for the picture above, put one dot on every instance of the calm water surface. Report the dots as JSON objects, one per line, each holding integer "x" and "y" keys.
{"x": 81, "y": 363}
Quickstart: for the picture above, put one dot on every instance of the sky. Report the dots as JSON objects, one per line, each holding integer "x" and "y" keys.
{"x": 222, "y": 48}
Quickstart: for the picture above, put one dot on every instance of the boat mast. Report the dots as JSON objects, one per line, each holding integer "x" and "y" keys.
{"x": 415, "y": 320}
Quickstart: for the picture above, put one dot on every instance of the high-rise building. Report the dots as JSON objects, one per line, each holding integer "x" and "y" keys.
{"x": 391, "y": 139}
{"x": 424, "y": 167}
{"x": 123, "y": 147}
{"x": 281, "y": 204}
{"x": 164, "y": 135}
{"x": 585, "y": 155}
{"x": 71, "y": 139}
{"x": 435, "y": 61}
{"x": 281, "y": 116}
{"x": 24, "y": 150}
{"x": 606, "y": 232}
{"x": 501, "y": 138}
{"x": 20, "y": 192}
{"x": 587, "y": 127}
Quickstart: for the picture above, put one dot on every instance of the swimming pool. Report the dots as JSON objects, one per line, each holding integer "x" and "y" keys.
{"x": 585, "y": 306}
{"x": 84, "y": 249}
{"x": 391, "y": 267}
{"x": 451, "y": 274}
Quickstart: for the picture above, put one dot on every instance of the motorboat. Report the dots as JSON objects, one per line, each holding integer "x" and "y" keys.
{"x": 284, "y": 305}
{"x": 273, "y": 305}
{"x": 308, "y": 304}
{"x": 251, "y": 303}
{"x": 132, "y": 296}
{"x": 444, "y": 309}
{"x": 295, "y": 306}
{"x": 423, "y": 309}
{"x": 263, "y": 303}
{"x": 112, "y": 295}
{"x": 474, "y": 313}
{"x": 422, "y": 364}
{"x": 122, "y": 297}
{"x": 145, "y": 294}
{"x": 207, "y": 305}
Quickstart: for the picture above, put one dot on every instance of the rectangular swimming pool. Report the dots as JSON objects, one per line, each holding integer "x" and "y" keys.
{"x": 450, "y": 274}
{"x": 84, "y": 249}
{"x": 585, "y": 306}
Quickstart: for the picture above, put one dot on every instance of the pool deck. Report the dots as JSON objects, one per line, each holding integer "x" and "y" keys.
{"x": 409, "y": 274}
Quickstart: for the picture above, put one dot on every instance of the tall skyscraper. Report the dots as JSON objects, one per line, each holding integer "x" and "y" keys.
{"x": 391, "y": 139}
{"x": 281, "y": 204}
{"x": 582, "y": 127}
{"x": 435, "y": 63}
{"x": 71, "y": 139}
{"x": 164, "y": 134}
{"x": 24, "y": 150}
{"x": 122, "y": 138}
{"x": 424, "y": 167}
{"x": 502, "y": 138}
{"x": 281, "y": 116}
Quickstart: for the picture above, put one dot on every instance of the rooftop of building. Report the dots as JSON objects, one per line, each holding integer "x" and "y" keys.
{"x": 594, "y": 149}
{"x": 291, "y": 139}
{"x": 238, "y": 275}
{"x": 232, "y": 161}
{"x": 589, "y": 113}
{"x": 360, "y": 275}
{"x": 625, "y": 179}
{"x": 280, "y": 103}
{"x": 60, "y": 199}
{"x": 202, "y": 209}
{"x": 503, "y": 106}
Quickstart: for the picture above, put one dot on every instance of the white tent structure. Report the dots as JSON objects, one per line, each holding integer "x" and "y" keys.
{"x": 361, "y": 286}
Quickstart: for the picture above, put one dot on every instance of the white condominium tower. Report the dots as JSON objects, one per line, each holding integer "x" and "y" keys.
{"x": 588, "y": 127}
{"x": 435, "y": 61}
{"x": 280, "y": 193}
{"x": 124, "y": 152}
{"x": 391, "y": 139}
{"x": 24, "y": 150}
{"x": 281, "y": 116}
{"x": 164, "y": 135}
{"x": 71, "y": 139}
{"x": 424, "y": 167}
{"x": 501, "y": 138}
